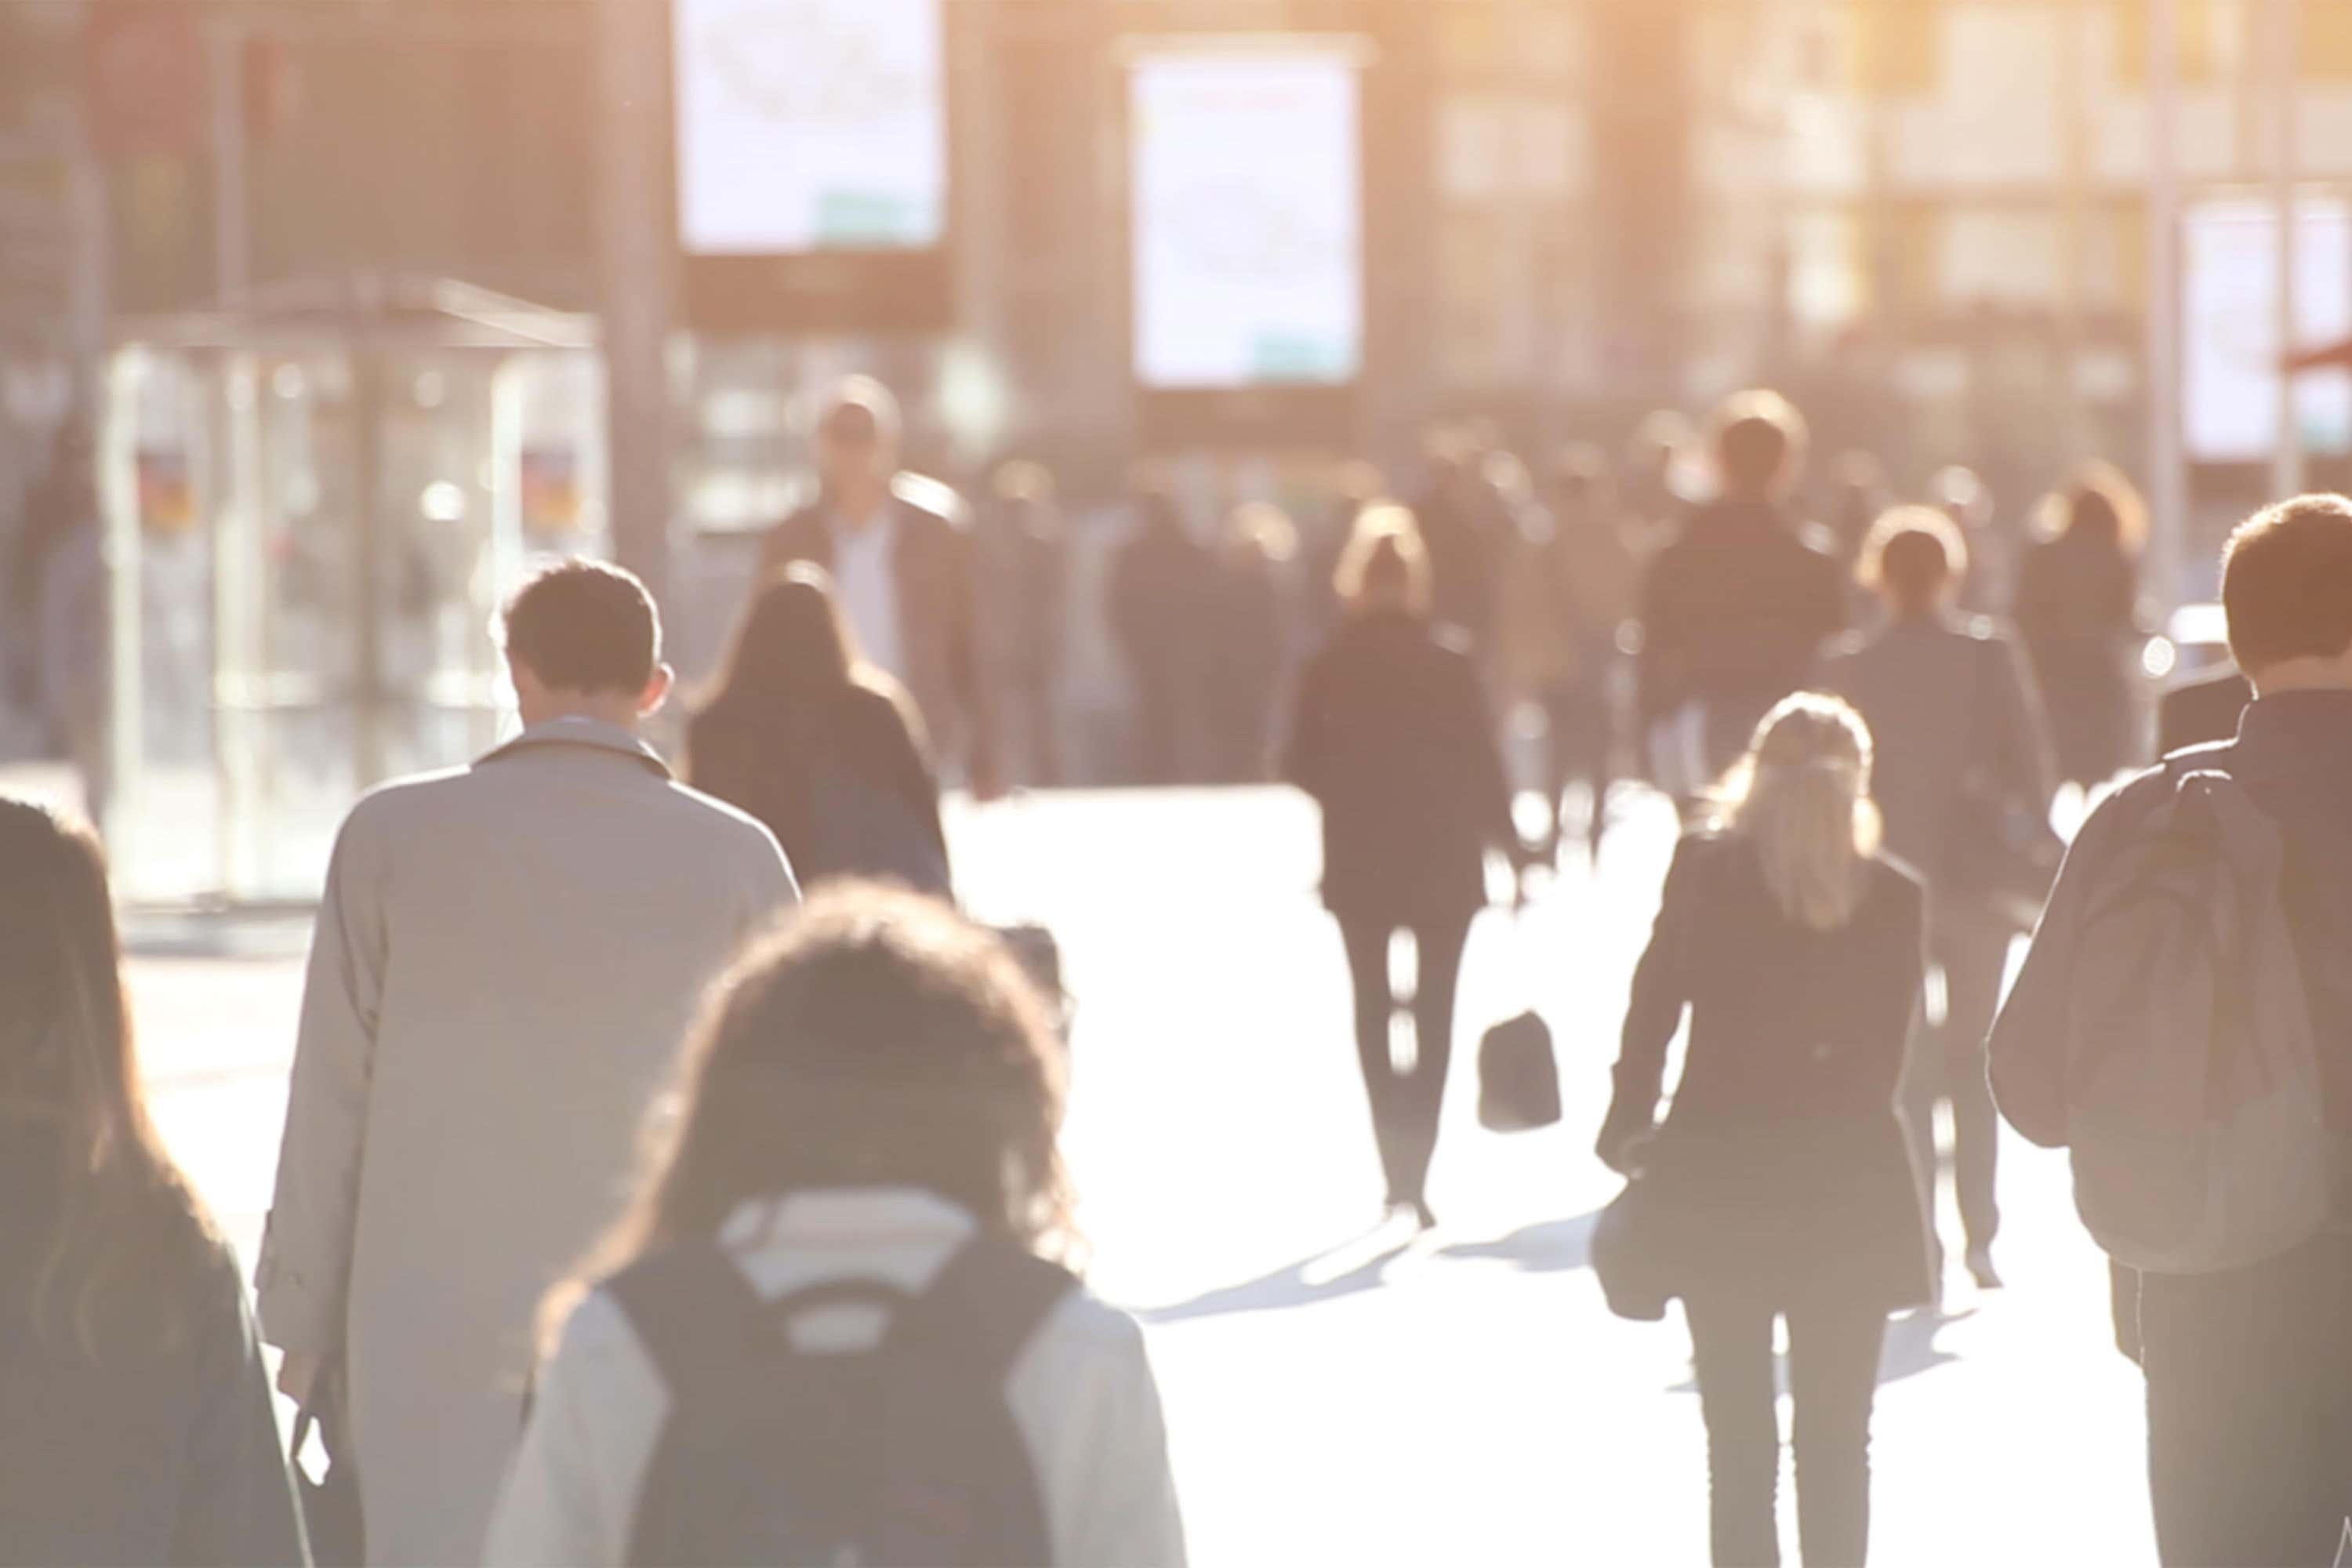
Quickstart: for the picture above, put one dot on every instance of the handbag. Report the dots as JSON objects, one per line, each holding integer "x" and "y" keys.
{"x": 1628, "y": 1247}
{"x": 330, "y": 1504}
{"x": 1518, "y": 1075}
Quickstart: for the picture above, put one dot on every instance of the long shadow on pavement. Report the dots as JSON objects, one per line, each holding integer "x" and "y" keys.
{"x": 1301, "y": 1284}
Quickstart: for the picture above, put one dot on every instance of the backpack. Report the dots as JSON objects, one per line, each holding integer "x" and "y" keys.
{"x": 2192, "y": 1071}
{"x": 904, "y": 1454}
{"x": 862, "y": 828}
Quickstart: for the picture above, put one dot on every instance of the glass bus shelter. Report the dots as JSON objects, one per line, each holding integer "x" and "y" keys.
{"x": 313, "y": 506}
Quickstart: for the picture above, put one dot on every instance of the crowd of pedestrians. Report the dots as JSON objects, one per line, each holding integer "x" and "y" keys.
{"x": 564, "y": 1006}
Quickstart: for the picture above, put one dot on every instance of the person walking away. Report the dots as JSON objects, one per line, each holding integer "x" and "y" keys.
{"x": 1990, "y": 587}
{"x": 1160, "y": 590}
{"x": 903, "y": 560}
{"x": 1392, "y": 737}
{"x": 1589, "y": 572}
{"x": 2248, "y": 1375}
{"x": 1962, "y": 751}
{"x": 505, "y": 958}
{"x": 1026, "y": 616}
{"x": 819, "y": 746}
{"x": 137, "y": 1425}
{"x": 59, "y": 603}
{"x": 1737, "y": 610}
{"x": 1464, "y": 531}
{"x": 826, "y": 1330}
{"x": 1249, "y": 640}
{"x": 2077, "y": 607}
{"x": 1780, "y": 1180}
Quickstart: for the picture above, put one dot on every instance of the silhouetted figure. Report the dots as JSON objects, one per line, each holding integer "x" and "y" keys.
{"x": 1354, "y": 486}
{"x": 1463, "y": 532}
{"x": 1026, "y": 616}
{"x": 906, "y": 567}
{"x": 1780, "y": 1184}
{"x": 1568, "y": 593}
{"x": 826, "y": 1328}
{"x": 1736, "y": 611}
{"x": 1249, "y": 637}
{"x": 2077, "y": 608}
{"x": 1858, "y": 497}
{"x": 1393, "y": 736}
{"x": 506, "y": 958}
{"x": 1962, "y": 748}
{"x": 820, "y": 746}
{"x": 1160, "y": 584}
{"x": 59, "y": 604}
{"x": 136, "y": 1426}
{"x": 2249, "y": 1369}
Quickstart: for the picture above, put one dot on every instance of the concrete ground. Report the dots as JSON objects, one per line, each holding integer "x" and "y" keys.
{"x": 1339, "y": 1391}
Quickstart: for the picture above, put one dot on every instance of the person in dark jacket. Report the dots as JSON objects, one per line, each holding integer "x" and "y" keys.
{"x": 820, "y": 746}
{"x": 1736, "y": 611}
{"x": 1026, "y": 613}
{"x": 1249, "y": 626}
{"x": 1463, "y": 529}
{"x": 136, "y": 1426}
{"x": 2249, "y": 1369}
{"x": 2077, "y": 607}
{"x": 1161, "y": 582}
{"x": 1393, "y": 736}
{"x": 1780, "y": 1180}
{"x": 906, "y": 567}
{"x": 1961, "y": 743}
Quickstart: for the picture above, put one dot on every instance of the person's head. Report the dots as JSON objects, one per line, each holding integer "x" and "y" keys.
{"x": 1801, "y": 796}
{"x": 70, "y": 1077}
{"x": 1385, "y": 566}
{"x": 2286, "y": 588}
{"x": 1915, "y": 560}
{"x": 2098, "y": 510}
{"x": 582, "y": 639}
{"x": 794, "y": 646}
{"x": 1759, "y": 446}
{"x": 877, "y": 1040}
{"x": 857, "y": 440}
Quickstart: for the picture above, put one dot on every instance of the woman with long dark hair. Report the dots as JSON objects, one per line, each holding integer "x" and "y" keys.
{"x": 1779, "y": 1186}
{"x": 864, "y": 1173}
{"x": 825, "y": 749}
{"x": 2077, "y": 608}
{"x": 1393, "y": 736}
{"x": 135, "y": 1422}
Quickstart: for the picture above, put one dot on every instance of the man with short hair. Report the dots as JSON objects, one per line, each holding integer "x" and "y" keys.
{"x": 2249, "y": 1369}
{"x": 1736, "y": 611}
{"x": 901, "y": 553}
{"x": 506, "y": 961}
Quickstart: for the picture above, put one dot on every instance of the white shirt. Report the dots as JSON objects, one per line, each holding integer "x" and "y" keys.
{"x": 865, "y": 575}
{"x": 1082, "y": 1393}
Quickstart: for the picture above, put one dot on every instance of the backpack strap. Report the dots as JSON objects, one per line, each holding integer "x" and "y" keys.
{"x": 988, "y": 1302}
{"x": 690, "y": 1304}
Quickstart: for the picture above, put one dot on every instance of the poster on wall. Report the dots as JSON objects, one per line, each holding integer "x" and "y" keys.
{"x": 1248, "y": 231}
{"x": 811, "y": 172}
{"x": 2230, "y": 352}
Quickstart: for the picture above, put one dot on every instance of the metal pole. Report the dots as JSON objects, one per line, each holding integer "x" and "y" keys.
{"x": 2286, "y": 460}
{"x": 633, "y": 239}
{"x": 2166, "y": 477}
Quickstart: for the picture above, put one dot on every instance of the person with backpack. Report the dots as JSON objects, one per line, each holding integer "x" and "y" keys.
{"x": 1391, "y": 734}
{"x": 825, "y": 1329}
{"x": 819, "y": 745}
{"x": 2183, "y": 1025}
{"x": 1779, "y": 1186}
{"x": 1962, "y": 775}
{"x": 136, "y": 1423}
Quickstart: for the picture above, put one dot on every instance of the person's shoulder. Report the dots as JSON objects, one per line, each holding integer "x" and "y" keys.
{"x": 1083, "y": 1326}
{"x": 930, "y": 502}
{"x": 399, "y": 804}
{"x": 1892, "y": 877}
{"x": 727, "y": 828}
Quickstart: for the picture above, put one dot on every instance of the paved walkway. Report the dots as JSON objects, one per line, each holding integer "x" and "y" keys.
{"x": 1339, "y": 1392}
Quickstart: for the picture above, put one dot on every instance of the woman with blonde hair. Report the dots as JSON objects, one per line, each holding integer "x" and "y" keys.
{"x": 1393, "y": 736}
{"x": 1779, "y": 1187}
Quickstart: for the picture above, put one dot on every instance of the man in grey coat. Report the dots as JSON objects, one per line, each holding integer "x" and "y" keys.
{"x": 506, "y": 960}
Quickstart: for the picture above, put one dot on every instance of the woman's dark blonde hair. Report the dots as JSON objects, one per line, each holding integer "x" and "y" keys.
{"x": 1801, "y": 796}
{"x": 122, "y": 1216}
{"x": 877, "y": 1039}
{"x": 2098, "y": 503}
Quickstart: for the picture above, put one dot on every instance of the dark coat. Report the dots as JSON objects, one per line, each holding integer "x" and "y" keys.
{"x": 939, "y": 610}
{"x": 1735, "y": 615}
{"x": 767, "y": 766}
{"x": 1781, "y": 1166}
{"x": 1392, "y": 737}
{"x": 162, "y": 1450}
{"x": 1947, "y": 701}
